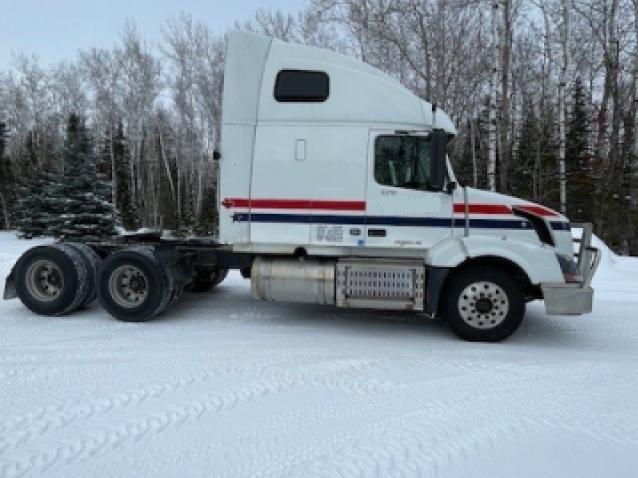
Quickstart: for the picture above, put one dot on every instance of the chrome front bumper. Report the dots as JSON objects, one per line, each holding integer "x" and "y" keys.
{"x": 575, "y": 298}
{"x": 567, "y": 299}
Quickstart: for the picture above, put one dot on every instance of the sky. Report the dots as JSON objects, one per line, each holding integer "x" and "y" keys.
{"x": 54, "y": 30}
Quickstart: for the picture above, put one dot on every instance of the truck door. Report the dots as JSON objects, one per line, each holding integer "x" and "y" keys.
{"x": 402, "y": 210}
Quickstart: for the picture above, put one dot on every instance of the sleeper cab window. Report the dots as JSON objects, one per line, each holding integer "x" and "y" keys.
{"x": 302, "y": 86}
{"x": 402, "y": 161}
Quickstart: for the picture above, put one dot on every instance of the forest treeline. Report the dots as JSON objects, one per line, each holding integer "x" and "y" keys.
{"x": 544, "y": 94}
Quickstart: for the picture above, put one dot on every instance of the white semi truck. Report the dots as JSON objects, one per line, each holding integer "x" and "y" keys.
{"x": 334, "y": 188}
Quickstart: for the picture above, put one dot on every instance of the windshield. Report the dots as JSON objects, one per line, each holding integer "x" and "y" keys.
{"x": 402, "y": 161}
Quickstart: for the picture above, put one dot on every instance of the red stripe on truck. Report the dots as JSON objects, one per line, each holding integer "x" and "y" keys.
{"x": 335, "y": 205}
{"x": 328, "y": 205}
{"x": 540, "y": 210}
{"x": 483, "y": 208}
{"x": 503, "y": 209}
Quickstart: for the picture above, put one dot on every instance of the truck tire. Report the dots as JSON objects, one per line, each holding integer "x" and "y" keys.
{"x": 220, "y": 275}
{"x": 134, "y": 286}
{"x": 93, "y": 262}
{"x": 483, "y": 304}
{"x": 51, "y": 280}
{"x": 205, "y": 280}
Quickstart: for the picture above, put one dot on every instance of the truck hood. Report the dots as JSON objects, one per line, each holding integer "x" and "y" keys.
{"x": 488, "y": 204}
{"x": 479, "y": 196}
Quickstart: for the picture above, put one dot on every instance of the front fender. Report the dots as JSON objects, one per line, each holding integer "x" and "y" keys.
{"x": 538, "y": 261}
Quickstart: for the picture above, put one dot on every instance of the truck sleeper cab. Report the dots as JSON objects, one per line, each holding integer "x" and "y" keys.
{"x": 338, "y": 171}
{"x": 335, "y": 188}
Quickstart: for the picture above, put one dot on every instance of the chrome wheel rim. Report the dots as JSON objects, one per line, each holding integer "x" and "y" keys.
{"x": 483, "y": 305}
{"x": 44, "y": 280}
{"x": 128, "y": 286}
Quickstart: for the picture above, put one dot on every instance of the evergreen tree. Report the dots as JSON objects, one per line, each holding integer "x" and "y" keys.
{"x": 29, "y": 160}
{"x": 104, "y": 160}
{"x": 81, "y": 192}
{"x": 7, "y": 182}
{"x": 208, "y": 215}
{"x": 547, "y": 174}
{"x": 36, "y": 207}
{"x": 580, "y": 182}
{"x": 522, "y": 178}
{"x": 616, "y": 215}
{"x": 3, "y": 138}
{"x": 127, "y": 212}
{"x": 189, "y": 216}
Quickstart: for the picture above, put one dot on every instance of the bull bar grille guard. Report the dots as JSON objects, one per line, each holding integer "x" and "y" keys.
{"x": 588, "y": 256}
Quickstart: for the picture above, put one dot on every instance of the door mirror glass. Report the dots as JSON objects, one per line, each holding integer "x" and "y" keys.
{"x": 438, "y": 159}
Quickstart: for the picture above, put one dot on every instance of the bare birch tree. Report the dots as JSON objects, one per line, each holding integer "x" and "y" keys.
{"x": 493, "y": 100}
{"x": 565, "y": 46}
{"x": 503, "y": 70}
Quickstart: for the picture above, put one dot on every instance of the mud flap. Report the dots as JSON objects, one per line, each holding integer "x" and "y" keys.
{"x": 10, "y": 288}
{"x": 435, "y": 279}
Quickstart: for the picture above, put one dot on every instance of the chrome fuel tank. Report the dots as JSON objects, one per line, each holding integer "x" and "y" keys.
{"x": 293, "y": 280}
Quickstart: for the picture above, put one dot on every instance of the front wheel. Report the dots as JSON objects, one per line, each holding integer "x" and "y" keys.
{"x": 484, "y": 304}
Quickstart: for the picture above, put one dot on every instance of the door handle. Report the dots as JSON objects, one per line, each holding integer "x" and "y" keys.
{"x": 376, "y": 232}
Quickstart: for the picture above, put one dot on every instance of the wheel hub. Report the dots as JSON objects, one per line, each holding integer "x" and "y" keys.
{"x": 44, "y": 280}
{"x": 137, "y": 284}
{"x": 128, "y": 286}
{"x": 483, "y": 305}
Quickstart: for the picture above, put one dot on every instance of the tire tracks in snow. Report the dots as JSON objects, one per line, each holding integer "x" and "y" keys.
{"x": 108, "y": 439}
{"x": 66, "y": 413}
{"x": 425, "y": 442}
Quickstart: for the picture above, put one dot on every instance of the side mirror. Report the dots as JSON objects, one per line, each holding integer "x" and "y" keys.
{"x": 217, "y": 155}
{"x": 438, "y": 159}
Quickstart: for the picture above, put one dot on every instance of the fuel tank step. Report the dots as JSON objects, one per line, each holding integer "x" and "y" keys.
{"x": 380, "y": 284}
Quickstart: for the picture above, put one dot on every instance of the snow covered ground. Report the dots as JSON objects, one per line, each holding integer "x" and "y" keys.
{"x": 222, "y": 385}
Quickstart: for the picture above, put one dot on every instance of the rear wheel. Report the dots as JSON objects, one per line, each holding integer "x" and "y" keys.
{"x": 93, "y": 262}
{"x": 52, "y": 280}
{"x": 133, "y": 285}
{"x": 484, "y": 304}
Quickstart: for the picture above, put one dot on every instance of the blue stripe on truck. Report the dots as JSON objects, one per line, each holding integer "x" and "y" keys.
{"x": 389, "y": 221}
